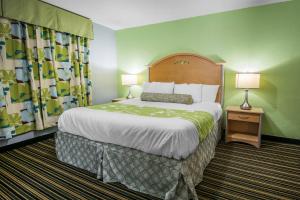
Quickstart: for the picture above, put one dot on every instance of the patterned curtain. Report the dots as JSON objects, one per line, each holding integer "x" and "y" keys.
{"x": 42, "y": 73}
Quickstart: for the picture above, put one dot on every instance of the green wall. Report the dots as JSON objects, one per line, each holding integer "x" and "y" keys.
{"x": 264, "y": 39}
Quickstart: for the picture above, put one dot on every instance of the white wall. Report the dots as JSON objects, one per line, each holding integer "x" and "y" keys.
{"x": 103, "y": 63}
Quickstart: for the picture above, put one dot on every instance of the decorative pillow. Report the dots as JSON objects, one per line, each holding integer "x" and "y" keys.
{"x": 209, "y": 93}
{"x": 158, "y": 87}
{"x": 192, "y": 89}
{"x": 169, "y": 98}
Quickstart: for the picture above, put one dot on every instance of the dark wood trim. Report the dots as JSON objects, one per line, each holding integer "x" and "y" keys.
{"x": 40, "y": 138}
{"x": 270, "y": 138}
{"x": 26, "y": 142}
{"x": 281, "y": 139}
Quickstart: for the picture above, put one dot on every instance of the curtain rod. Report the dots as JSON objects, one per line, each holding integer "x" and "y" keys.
{"x": 63, "y": 9}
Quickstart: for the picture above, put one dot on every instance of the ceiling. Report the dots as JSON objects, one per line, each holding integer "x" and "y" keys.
{"x": 121, "y": 14}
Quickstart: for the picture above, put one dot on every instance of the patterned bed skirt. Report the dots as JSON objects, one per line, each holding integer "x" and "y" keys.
{"x": 159, "y": 176}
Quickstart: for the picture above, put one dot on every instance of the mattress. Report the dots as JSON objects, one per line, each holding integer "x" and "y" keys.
{"x": 170, "y": 137}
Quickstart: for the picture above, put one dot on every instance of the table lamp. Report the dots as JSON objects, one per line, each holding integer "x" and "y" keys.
{"x": 129, "y": 80}
{"x": 247, "y": 81}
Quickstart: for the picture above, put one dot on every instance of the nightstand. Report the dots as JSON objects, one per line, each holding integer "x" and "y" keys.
{"x": 118, "y": 99}
{"x": 244, "y": 125}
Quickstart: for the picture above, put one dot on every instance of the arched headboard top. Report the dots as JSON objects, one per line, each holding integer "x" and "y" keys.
{"x": 188, "y": 68}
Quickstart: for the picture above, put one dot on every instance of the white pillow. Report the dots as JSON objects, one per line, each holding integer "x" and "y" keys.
{"x": 192, "y": 89}
{"x": 209, "y": 93}
{"x": 158, "y": 87}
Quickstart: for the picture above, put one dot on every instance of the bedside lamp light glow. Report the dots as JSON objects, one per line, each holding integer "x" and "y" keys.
{"x": 129, "y": 80}
{"x": 247, "y": 81}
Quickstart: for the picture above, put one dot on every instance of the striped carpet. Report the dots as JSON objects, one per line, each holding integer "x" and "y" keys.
{"x": 238, "y": 171}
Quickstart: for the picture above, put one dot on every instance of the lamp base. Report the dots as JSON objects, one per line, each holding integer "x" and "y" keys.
{"x": 129, "y": 96}
{"x": 246, "y": 105}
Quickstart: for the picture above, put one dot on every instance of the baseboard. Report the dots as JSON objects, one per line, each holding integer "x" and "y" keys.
{"x": 48, "y": 133}
{"x": 270, "y": 138}
{"x": 27, "y": 138}
{"x": 281, "y": 139}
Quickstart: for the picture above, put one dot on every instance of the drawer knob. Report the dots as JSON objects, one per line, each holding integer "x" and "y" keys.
{"x": 243, "y": 117}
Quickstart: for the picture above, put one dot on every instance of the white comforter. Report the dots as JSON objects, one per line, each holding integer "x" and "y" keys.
{"x": 170, "y": 137}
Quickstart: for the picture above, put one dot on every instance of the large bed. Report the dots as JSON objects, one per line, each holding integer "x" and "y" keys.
{"x": 161, "y": 156}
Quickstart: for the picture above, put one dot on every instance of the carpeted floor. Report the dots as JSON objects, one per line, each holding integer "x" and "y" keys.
{"x": 238, "y": 171}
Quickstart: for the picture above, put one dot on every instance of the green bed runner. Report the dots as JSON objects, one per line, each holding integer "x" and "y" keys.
{"x": 202, "y": 120}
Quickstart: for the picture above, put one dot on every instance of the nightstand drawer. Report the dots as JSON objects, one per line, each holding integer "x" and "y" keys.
{"x": 243, "y": 117}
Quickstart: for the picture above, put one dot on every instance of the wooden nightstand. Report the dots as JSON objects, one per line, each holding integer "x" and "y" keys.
{"x": 244, "y": 125}
{"x": 118, "y": 99}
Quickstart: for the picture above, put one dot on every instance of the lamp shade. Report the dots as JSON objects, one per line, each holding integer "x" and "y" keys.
{"x": 129, "y": 79}
{"x": 247, "y": 80}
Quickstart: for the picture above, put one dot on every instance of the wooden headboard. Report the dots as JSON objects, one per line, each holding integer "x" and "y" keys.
{"x": 188, "y": 68}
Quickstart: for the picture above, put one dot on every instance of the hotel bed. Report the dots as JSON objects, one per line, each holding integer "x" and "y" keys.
{"x": 161, "y": 156}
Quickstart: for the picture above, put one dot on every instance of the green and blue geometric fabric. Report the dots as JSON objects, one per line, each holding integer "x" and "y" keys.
{"x": 203, "y": 121}
{"x": 42, "y": 73}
